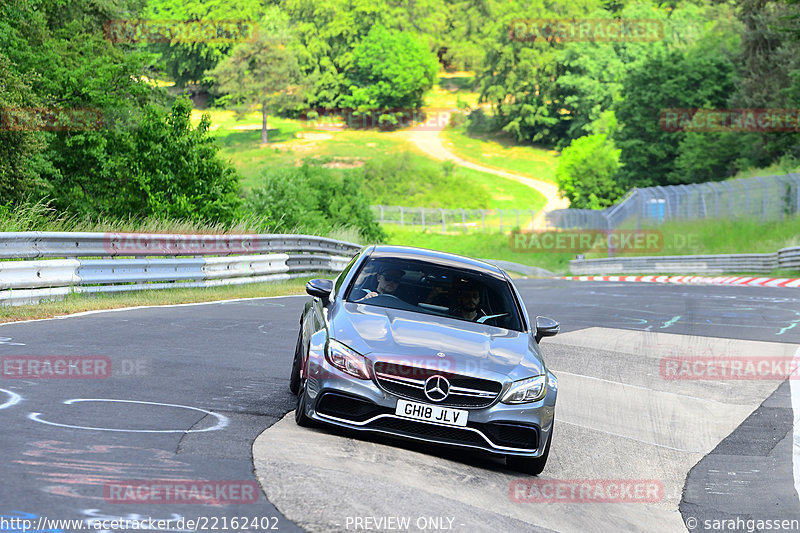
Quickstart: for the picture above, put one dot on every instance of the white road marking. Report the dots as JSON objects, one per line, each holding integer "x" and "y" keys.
{"x": 13, "y": 399}
{"x": 222, "y": 420}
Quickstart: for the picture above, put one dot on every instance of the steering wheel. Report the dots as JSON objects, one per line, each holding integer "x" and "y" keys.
{"x": 387, "y": 294}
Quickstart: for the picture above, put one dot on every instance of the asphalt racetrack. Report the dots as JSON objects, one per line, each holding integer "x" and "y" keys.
{"x": 197, "y": 395}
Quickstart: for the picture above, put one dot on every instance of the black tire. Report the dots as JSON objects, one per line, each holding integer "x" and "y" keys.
{"x": 294, "y": 379}
{"x": 530, "y": 465}
{"x": 300, "y": 417}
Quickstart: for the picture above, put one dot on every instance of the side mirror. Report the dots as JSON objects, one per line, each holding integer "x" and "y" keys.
{"x": 320, "y": 288}
{"x": 546, "y": 327}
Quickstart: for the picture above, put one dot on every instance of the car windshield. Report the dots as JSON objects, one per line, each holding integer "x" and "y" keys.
{"x": 432, "y": 289}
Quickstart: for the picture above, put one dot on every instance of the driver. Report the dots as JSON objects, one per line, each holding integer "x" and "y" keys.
{"x": 388, "y": 280}
{"x": 468, "y": 304}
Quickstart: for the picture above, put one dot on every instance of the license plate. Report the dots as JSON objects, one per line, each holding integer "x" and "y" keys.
{"x": 431, "y": 413}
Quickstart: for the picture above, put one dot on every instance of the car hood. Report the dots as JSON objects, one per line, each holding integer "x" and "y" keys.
{"x": 417, "y": 339}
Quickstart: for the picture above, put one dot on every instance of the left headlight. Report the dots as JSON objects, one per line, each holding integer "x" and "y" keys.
{"x": 347, "y": 360}
{"x": 526, "y": 390}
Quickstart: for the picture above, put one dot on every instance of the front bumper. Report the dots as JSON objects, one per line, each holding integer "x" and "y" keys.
{"x": 339, "y": 399}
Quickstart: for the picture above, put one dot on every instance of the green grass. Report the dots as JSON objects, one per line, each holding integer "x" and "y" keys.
{"x": 479, "y": 245}
{"x": 723, "y": 236}
{"x": 501, "y": 152}
{"x": 504, "y": 193}
{"x": 776, "y": 169}
{"x": 293, "y": 140}
{"x": 450, "y": 90}
{"x": 83, "y": 302}
{"x": 40, "y": 217}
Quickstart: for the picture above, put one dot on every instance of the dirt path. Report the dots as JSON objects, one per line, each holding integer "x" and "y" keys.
{"x": 430, "y": 143}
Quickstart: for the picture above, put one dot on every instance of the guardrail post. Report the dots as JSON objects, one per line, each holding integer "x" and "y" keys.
{"x": 422, "y": 211}
{"x": 716, "y": 199}
{"x": 402, "y": 222}
{"x": 501, "y": 219}
{"x": 381, "y": 208}
{"x": 730, "y": 198}
{"x": 746, "y": 197}
{"x": 796, "y": 179}
{"x": 667, "y": 203}
{"x": 444, "y": 227}
{"x": 763, "y": 197}
{"x": 464, "y": 220}
{"x": 687, "y": 191}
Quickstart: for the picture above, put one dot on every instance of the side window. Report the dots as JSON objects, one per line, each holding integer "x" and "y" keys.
{"x": 343, "y": 274}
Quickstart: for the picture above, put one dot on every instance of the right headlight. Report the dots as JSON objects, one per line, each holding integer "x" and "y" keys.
{"x": 347, "y": 360}
{"x": 526, "y": 390}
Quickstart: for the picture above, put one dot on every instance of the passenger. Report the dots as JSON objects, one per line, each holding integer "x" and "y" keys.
{"x": 468, "y": 304}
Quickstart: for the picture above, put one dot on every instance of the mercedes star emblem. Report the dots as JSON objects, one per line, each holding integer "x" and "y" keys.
{"x": 437, "y": 388}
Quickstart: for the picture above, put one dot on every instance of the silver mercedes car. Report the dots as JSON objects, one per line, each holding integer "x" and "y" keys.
{"x": 428, "y": 346}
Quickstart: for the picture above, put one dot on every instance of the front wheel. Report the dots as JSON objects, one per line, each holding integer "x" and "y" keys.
{"x": 530, "y": 465}
{"x": 294, "y": 379}
{"x": 300, "y": 416}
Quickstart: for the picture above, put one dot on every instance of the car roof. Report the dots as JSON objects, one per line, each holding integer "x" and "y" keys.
{"x": 434, "y": 257}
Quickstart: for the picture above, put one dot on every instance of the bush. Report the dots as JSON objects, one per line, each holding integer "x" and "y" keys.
{"x": 585, "y": 173}
{"x": 163, "y": 167}
{"x": 313, "y": 199}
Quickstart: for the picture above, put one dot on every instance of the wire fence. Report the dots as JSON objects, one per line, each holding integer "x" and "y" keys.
{"x": 454, "y": 221}
{"x": 765, "y": 198}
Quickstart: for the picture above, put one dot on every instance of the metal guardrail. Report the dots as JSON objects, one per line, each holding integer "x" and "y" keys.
{"x": 787, "y": 258}
{"x": 116, "y": 262}
{"x": 38, "y": 244}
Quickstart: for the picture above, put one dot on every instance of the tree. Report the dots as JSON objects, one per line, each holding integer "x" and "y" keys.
{"x": 187, "y": 62}
{"x": 263, "y": 73}
{"x": 20, "y": 149}
{"x": 391, "y": 70}
{"x": 585, "y": 173}
{"x": 699, "y": 77}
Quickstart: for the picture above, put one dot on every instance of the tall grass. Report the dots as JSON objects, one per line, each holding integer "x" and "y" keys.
{"x": 39, "y": 216}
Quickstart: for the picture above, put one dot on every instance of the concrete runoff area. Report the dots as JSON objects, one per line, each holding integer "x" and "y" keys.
{"x": 618, "y": 418}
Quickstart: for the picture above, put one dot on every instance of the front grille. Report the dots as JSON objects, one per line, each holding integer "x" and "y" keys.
{"x": 348, "y": 407}
{"x": 409, "y": 382}
{"x": 420, "y": 429}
